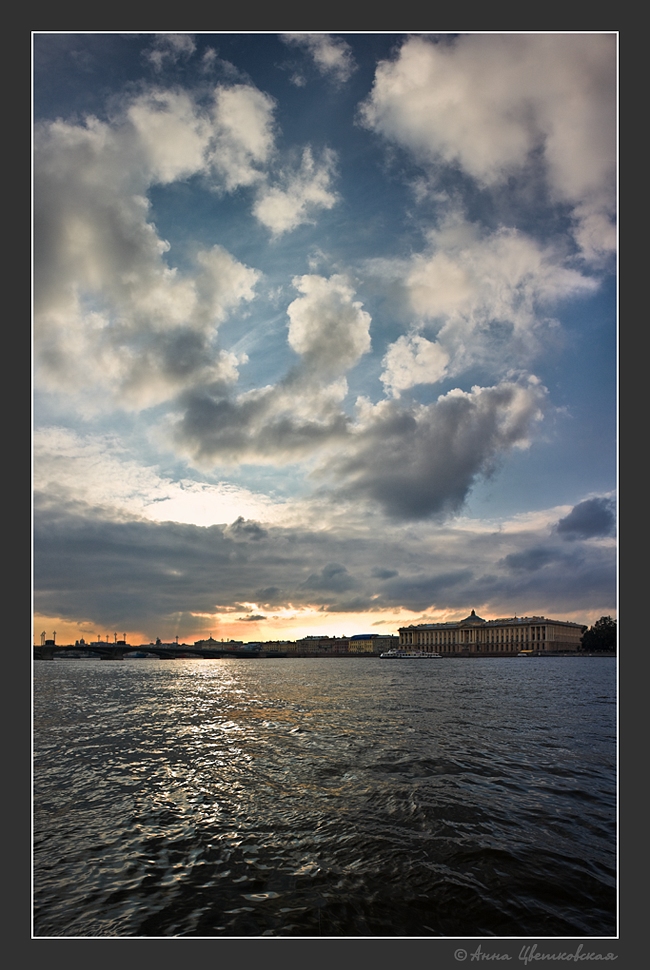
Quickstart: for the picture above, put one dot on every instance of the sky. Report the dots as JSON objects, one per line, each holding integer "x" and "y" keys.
{"x": 324, "y": 331}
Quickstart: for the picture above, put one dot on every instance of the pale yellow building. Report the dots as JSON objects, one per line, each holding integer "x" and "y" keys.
{"x": 372, "y": 643}
{"x": 503, "y": 637}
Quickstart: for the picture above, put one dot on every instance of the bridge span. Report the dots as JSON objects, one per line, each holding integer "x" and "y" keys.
{"x": 118, "y": 651}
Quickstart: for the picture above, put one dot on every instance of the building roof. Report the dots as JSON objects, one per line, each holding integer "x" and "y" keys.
{"x": 472, "y": 618}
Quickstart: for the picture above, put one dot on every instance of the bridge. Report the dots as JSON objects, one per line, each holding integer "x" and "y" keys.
{"x": 120, "y": 650}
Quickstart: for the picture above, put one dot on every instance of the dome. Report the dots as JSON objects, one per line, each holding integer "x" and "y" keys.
{"x": 472, "y": 618}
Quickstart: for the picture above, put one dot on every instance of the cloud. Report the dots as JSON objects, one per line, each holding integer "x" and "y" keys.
{"x": 332, "y": 578}
{"x": 208, "y": 60}
{"x": 231, "y": 137}
{"x": 487, "y": 297}
{"x": 168, "y": 134}
{"x": 100, "y": 471}
{"x": 332, "y": 55}
{"x": 532, "y": 559}
{"x": 124, "y": 572}
{"x": 282, "y": 209}
{"x": 422, "y": 461}
{"x": 243, "y": 136}
{"x": 413, "y": 462}
{"x": 593, "y": 518}
{"x": 152, "y": 335}
{"x": 114, "y": 320}
{"x": 490, "y": 104}
{"x": 379, "y": 573}
{"x": 301, "y": 414}
{"x": 168, "y": 48}
{"x": 275, "y": 425}
{"x": 328, "y": 327}
{"x": 242, "y": 530}
{"x": 413, "y": 360}
{"x": 478, "y": 277}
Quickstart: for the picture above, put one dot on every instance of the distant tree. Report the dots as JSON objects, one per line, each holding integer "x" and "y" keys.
{"x": 601, "y": 637}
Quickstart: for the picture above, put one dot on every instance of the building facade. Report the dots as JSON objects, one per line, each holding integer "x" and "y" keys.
{"x": 319, "y": 647}
{"x": 504, "y": 637}
{"x": 372, "y": 643}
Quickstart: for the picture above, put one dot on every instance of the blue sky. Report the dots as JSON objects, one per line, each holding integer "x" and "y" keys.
{"x": 324, "y": 331}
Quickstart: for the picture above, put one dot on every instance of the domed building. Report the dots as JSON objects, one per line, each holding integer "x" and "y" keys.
{"x": 475, "y": 636}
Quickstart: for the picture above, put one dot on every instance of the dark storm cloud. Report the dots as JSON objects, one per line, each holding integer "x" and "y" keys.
{"x": 262, "y": 426}
{"x": 596, "y": 517}
{"x": 332, "y": 578}
{"x": 449, "y": 588}
{"x": 531, "y": 559}
{"x": 377, "y": 573}
{"x": 138, "y": 574}
{"x": 246, "y": 530}
{"x": 413, "y": 461}
{"x": 422, "y": 462}
{"x": 270, "y": 596}
{"x": 563, "y": 585}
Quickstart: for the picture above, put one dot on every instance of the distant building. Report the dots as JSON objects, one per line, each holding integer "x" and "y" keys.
{"x": 476, "y": 636}
{"x": 320, "y": 646}
{"x": 274, "y": 648}
{"x": 226, "y": 646}
{"x": 364, "y": 643}
{"x": 209, "y": 644}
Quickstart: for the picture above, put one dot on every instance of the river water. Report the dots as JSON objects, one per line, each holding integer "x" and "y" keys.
{"x": 325, "y": 797}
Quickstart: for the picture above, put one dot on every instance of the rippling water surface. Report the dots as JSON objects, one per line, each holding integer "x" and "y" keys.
{"x": 334, "y": 797}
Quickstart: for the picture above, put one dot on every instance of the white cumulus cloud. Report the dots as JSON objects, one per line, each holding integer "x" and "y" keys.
{"x": 412, "y": 360}
{"x": 112, "y": 317}
{"x": 283, "y": 207}
{"x": 171, "y": 134}
{"x": 487, "y": 296}
{"x": 328, "y": 327}
{"x": 243, "y": 135}
{"x": 488, "y": 103}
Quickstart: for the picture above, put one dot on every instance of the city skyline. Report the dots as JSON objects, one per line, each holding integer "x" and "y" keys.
{"x": 324, "y": 331}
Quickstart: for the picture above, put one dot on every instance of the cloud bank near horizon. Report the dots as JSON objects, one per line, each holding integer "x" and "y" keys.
{"x": 100, "y": 568}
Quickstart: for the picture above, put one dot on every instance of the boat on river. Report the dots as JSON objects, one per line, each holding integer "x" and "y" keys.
{"x": 409, "y": 655}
